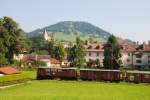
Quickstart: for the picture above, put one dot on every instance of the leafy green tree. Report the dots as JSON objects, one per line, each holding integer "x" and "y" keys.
{"x": 3, "y": 60}
{"x": 112, "y": 53}
{"x": 91, "y": 40}
{"x": 11, "y": 38}
{"x": 93, "y": 64}
{"x": 76, "y": 54}
{"x": 97, "y": 63}
{"x": 40, "y": 63}
{"x": 37, "y": 44}
{"x": 51, "y": 48}
{"x": 15, "y": 43}
{"x": 59, "y": 52}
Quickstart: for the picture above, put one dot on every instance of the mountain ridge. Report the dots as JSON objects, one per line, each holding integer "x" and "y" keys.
{"x": 72, "y": 27}
{"x": 68, "y": 30}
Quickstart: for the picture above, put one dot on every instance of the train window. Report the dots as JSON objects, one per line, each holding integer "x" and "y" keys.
{"x": 131, "y": 77}
{"x": 64, "y": 70}
{"x": 54, "y": 70}
{"x": 47, "y": 70}
{"x": 146, "y": 76}
{"x": 59, "y": 70}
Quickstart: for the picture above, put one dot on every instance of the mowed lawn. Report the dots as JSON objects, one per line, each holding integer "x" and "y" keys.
{"x": 76, "y": 90}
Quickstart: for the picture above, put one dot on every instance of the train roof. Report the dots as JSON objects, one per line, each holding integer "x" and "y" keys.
{"x": 100, "y": 69}
{"x": 128, "y": 71}
{"x": 56, "y": 67}
{"x": 135, "y": 71}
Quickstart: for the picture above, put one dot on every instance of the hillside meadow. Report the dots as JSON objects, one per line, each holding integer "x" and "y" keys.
{"x": 76, "y": 90}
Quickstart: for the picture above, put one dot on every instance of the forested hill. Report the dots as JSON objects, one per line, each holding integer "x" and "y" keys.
{"x": 73, "y": 28}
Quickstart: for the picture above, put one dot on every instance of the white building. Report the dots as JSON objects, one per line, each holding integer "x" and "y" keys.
{"x": 132, "y": 56}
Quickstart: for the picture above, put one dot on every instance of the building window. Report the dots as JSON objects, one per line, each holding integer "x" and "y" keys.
{"x": 138, "y": 61}
{"x": 148, "y": 56}
{"x": 128, "y": 54}
{"x": 138, "y": 56}
{"x": 128, "y": 60}
{"x": 97, "y": 53}
{"x": 89, "y": 53}
{"x": 149, "y": 61}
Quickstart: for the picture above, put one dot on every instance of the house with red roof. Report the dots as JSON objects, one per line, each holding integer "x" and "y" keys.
{"x": 54, "y": 62}
{"x": 94, "y": 51}
{"x": 8, "y": 70}
{"x": 31, "y": 58}
{"x": 132, "y": 55}
{"x": 141, "y": 57}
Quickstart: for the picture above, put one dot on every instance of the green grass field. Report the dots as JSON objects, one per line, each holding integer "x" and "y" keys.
{"x": 76, "y": 90}
{"x": 22, "y": 75}
{"x": 72, "y": 37}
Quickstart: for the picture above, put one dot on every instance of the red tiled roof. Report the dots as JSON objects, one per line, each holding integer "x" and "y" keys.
{"x": 100, "y": 47}
{"x": 43, "y": 57}
{"x": 32, "y": 57}
{"x": 144, "y": 48}
{"x": 54, "y": 61}
{"x": 94, "y": 47}
{"x": 128, "y": 48}
{"x": 8, "y": 70}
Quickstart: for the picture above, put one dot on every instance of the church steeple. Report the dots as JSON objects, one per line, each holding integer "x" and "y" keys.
{"x": 45, "y": 35}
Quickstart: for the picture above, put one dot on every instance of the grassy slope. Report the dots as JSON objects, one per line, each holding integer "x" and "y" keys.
{"x": 22, "y": 75}
{"x": 75, "y": 90}
{"x": 72, "y": 37}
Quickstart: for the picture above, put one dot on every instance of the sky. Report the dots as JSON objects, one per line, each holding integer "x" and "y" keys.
{"x": 123, "y": 18}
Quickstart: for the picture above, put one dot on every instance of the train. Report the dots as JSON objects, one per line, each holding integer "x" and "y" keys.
{"x": 52, "y": 73}
{"x": 93, "y": 74}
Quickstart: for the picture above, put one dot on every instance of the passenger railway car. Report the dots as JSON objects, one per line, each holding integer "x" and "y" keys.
{"x": 51, "y": 73}
{"x": 100, "y": 75}
{"x": 138, "y": 76}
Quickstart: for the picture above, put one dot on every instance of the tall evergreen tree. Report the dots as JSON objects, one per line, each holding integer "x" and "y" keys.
{"x": 112, "y": 53}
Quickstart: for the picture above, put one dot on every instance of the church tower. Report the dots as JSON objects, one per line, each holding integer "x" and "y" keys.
{"x": 45, "y": 35}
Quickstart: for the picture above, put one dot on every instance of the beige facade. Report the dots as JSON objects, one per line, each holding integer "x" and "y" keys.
{"x": 141, "y": 60}
{"x": 93, "y": 55}
{"x": 126, "y": 59}
{"x": 137, "y": 56}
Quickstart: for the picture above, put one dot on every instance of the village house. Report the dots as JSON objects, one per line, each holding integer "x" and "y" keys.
{"x": 133, "y": 56}
{"x": 31, "y": 58}
{"x": 141, "y": 57}
{"x": 94, "y": 51}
